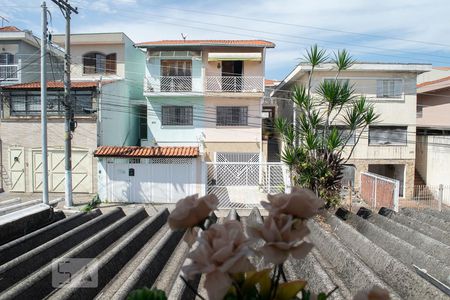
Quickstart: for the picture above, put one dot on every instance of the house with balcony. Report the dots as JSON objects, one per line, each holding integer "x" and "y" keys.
{"x": 387, "y": 148}
{"x": 104, "y": 102}
{"x": 208, "y": 94}
{"x": 20, "y": 57}
{"x": 203, "y": 103}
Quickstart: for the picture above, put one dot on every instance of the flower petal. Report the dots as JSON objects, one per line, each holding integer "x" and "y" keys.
{"x": 217, "y": 285}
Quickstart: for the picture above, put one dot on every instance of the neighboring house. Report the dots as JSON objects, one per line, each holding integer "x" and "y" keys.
{"x": 433, "y": 131}
{"x": 203, "y": 103}
{"x": 388, "y": 147}
{"x": 101, "y": 94}
{"x": 20, "y": 57}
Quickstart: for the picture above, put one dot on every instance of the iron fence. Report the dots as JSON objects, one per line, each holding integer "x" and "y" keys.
{"x": 244, "y": 185}
{"x": 430, "y": 196}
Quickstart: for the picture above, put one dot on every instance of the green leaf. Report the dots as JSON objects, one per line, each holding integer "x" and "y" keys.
{"x": 315, "y": 56}
{"x": 343, "y": 60}
{"x": 260, "y": 278}
{"x": 147, "y": 294}
{"x": 289, "y": 290}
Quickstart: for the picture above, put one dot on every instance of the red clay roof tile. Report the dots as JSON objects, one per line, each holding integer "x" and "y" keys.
{"x": 217, "y": 43}
{"x": 10, "y": 29}
{"x": 142, "y": 152}
{"x": 51, "y": 85}
{"x": 433, "y": 82}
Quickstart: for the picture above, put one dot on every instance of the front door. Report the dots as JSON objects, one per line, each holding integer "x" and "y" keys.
{"x": 232, "y": 76}
{"x": 17, "y": 168}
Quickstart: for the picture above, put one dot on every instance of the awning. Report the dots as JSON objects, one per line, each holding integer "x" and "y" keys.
{"x": 214, "y": 56}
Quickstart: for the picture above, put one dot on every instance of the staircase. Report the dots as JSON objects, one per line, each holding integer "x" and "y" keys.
{"x": 418, "y": 180}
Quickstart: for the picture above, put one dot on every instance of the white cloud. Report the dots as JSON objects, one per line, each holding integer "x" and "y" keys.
{"x": 404, "y": 19}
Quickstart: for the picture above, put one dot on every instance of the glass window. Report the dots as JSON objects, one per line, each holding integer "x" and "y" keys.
{"x": 387, "y": 135}
{"x": 6, "y": 58}
{"x": 177, "y": 115}
{"x": 176, "y": 67}
{"x": 232, "y": 116}
{"x": 29, "y": 102}
{"x": 389, "y": 88}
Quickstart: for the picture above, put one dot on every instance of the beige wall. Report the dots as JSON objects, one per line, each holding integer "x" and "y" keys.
{"x": 393, "y": 112}
{"x": 250, "y": 133}
{"x": 435, "y": 109}
{"x": 241, "y": 147}
{"x": 27, "y": 134}
{"x": 78, "y": 51}
{"x": 250, "y": 68}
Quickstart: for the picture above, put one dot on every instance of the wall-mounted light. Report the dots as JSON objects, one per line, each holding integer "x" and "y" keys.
{"x": 218, "y": 65}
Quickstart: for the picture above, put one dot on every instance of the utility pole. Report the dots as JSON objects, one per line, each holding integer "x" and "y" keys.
{"x": 44, "y": 104}
{"x": 69, "y": 123}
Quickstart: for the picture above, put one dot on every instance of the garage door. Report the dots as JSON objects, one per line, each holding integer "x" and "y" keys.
{"x": 81, "y": 171}
{"x": 155, "y": 180}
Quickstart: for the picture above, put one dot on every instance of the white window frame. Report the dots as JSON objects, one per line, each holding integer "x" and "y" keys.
{"x": 389, "y": 96}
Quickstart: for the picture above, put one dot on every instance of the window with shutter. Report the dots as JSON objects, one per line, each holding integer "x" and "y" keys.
{"x": 111, "y": 63}
{"x": 387, "y": 135}
{"x": 232, "y": 116}
{"x": 389, "y": 88}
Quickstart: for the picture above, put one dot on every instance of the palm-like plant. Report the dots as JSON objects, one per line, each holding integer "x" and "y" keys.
{"x": 324, "y": 122}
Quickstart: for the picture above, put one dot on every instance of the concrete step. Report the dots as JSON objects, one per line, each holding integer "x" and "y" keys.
{"x": 111, "y": 261}
{"x": 396, "y": 248}
{"x": 354, "y": 273}
{"x": 18, "y": 268}
{"x": 35, "y": 239}
{"x": 419, "y": 240}
{"x": 39, "y": 284}
{"x": 18, "y": 206}
{"x": 425, "y": 228}
{"x": 426, "y": 218}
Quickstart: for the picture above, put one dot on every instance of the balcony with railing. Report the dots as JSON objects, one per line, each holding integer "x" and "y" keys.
{"x": 173, "y": 84}
{"x": 234, "y": 84}
{"x": 9, "y": 73}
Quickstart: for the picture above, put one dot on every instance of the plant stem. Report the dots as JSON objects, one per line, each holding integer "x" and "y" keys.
{"x": 191, "y": 288}
{"x": 277, "y": 279}
{"x": 332, "y": 291}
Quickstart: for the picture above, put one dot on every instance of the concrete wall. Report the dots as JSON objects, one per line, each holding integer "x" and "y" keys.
{"x": 250, "y": 133}
{"x": 239, "y": 147}
{"x": 26, "y": 133}
{"x": 432, "y": 159}
{"x": 117, "y": 126}
{"x": 157, "y": 134}
{"x": 435, "y": 107}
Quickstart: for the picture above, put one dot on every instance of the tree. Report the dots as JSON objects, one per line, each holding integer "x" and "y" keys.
{"x": 324, "y": 122}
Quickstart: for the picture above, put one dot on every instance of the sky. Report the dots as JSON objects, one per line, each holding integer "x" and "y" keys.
{"x": 412, "y": 31}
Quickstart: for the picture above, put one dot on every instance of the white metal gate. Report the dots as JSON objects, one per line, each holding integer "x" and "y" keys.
{"x": 244, "y": 185}
{"x": 81, "y": 171}
{"x": 17, "y": 168}
{"x": 150, "y": 180}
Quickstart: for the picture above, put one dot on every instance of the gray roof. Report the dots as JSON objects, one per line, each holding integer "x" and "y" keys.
{"x": 135, "y": 248}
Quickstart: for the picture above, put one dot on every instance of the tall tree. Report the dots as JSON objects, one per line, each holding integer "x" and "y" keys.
{"x": 326, "y": 119}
